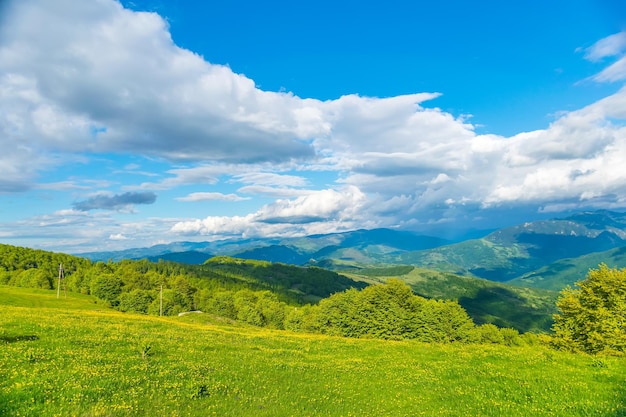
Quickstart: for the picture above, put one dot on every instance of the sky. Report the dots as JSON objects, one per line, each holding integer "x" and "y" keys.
{"x": 129, "y": 124}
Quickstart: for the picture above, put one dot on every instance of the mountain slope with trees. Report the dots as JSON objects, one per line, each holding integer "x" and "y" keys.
{"x": 568, "y": 271}
{"x": 503, "y": 255}
{"x": 524, "y": 309}
{"x": 510, "y": 252}
{"x": 255, "y": 292}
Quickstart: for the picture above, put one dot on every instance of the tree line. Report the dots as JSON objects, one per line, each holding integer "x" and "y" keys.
{"x": 591, "y": 318}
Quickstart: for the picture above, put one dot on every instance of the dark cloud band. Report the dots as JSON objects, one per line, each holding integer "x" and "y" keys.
{"x": 115, "y": 202}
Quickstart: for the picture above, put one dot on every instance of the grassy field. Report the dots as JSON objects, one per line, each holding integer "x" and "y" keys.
{"x": 72, "y": 357}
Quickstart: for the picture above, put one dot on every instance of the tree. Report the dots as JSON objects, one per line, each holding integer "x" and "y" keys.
{"x": 136, "y": 301}
{"x": 392, "y": 311}
{"x": 107, "y": 287}
{"x": 592, "y": 317}
{"x": 34, "y": 278}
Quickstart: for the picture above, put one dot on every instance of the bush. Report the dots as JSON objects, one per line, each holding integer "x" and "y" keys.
{"x": 511, "y": 337}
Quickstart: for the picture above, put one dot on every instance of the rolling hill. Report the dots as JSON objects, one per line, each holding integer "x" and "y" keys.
{"x": 358, "y": 246}
{"x": 502, "y": 255}
{"x": 514, "y": 251}
{"x": 524, "y": 309}
{"x": 63, "y": 357}
{"x": 568, "y": 271}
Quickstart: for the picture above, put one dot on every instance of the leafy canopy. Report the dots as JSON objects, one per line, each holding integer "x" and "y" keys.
{"x": 592, "y": 317}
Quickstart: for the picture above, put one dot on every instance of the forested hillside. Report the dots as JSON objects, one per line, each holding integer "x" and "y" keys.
{"x": 538, "y": 251}
{"x": 131, "y": 284}
{"x": 525, "y": 309}
{"x": 568, "y": 271}
{"x": 508, "y": 253}
{"x": 307, "y": 299}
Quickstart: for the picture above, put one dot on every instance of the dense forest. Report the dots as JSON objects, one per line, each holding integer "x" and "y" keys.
{"x": 309, "y": 299}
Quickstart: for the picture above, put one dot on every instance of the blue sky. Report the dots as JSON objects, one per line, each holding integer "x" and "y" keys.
{"x": 142, "y": 122}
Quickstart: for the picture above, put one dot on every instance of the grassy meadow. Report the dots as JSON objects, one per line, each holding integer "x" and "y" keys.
{"x": 74, "y": 357}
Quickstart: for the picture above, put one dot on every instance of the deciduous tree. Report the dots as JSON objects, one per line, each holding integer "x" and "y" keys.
{"x": 592, "y": 317}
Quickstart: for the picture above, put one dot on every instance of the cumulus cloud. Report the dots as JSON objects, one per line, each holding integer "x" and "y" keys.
{"x": 84, "y": 78}
{"x": 115, "y": 202}
{"x": 95, "y": 78}
{"x": 319, "y": 210}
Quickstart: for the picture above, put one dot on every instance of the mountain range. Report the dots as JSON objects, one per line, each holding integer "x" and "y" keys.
{"x": 546, "y": 254}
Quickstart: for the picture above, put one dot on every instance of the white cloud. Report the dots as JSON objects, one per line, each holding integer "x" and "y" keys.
{"x": 85, "y": 80}
{"x": 270, "y": 178}
{"x": 211, "y": 197}
{"x": 95, "y": 78}
{"x": 320, "y": 210}
{"x": 611, "y": 46}
{"x": 276, "y": 192}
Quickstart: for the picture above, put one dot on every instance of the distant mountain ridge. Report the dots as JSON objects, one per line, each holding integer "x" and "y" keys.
{"x": 514, "y": 251}
{"x": 568, "y": 271}
{"x": 503, "y": 255}
{"x": 364, "y": 245}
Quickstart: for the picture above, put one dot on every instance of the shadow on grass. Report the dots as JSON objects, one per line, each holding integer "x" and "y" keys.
{"x": 18, "y": 338}
{"x": 505, "y": 308}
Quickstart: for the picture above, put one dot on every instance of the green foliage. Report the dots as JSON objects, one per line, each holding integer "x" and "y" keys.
{"x": 558, "y": 275}
{"x": 491, "y": 334}
{"x": 221, "y": 303}
{"x": 136, "y": 301}
{"x": 107, "y": 287}
{"x": 131, "y": 285}
{"x": 389, "y": 271}
{"x": 33, "y": 278}
{"x": 294, "y": 284}
{"x": 592, "y": 318}
{"x": 257, "y": 293}
{"x": 392, "y": 311}
{"x": 523, "y": 309}
{"x": 302, "y": 319}
{"x": 245, "y": 302}
{"x": 173, "y": 302}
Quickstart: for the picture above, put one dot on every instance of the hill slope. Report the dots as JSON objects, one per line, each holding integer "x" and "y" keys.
{"x": 510, "y": 252}
{"x": 55, "y": 361}
{"x": 363, "y": 246}
{"x": 136, "y": 285}
{"x": 568, "y": 271}
{"x": 502, "y": 255}
{"x": 524, "y": 309}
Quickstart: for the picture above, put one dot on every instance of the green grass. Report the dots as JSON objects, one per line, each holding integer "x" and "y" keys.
{"x": 62, "y": 358}
{"x": 38, "y": 298}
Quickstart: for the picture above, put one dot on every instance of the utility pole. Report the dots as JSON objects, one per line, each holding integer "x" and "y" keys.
{"x": 61, "y": 277}
{"x": 161, "y": 301}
